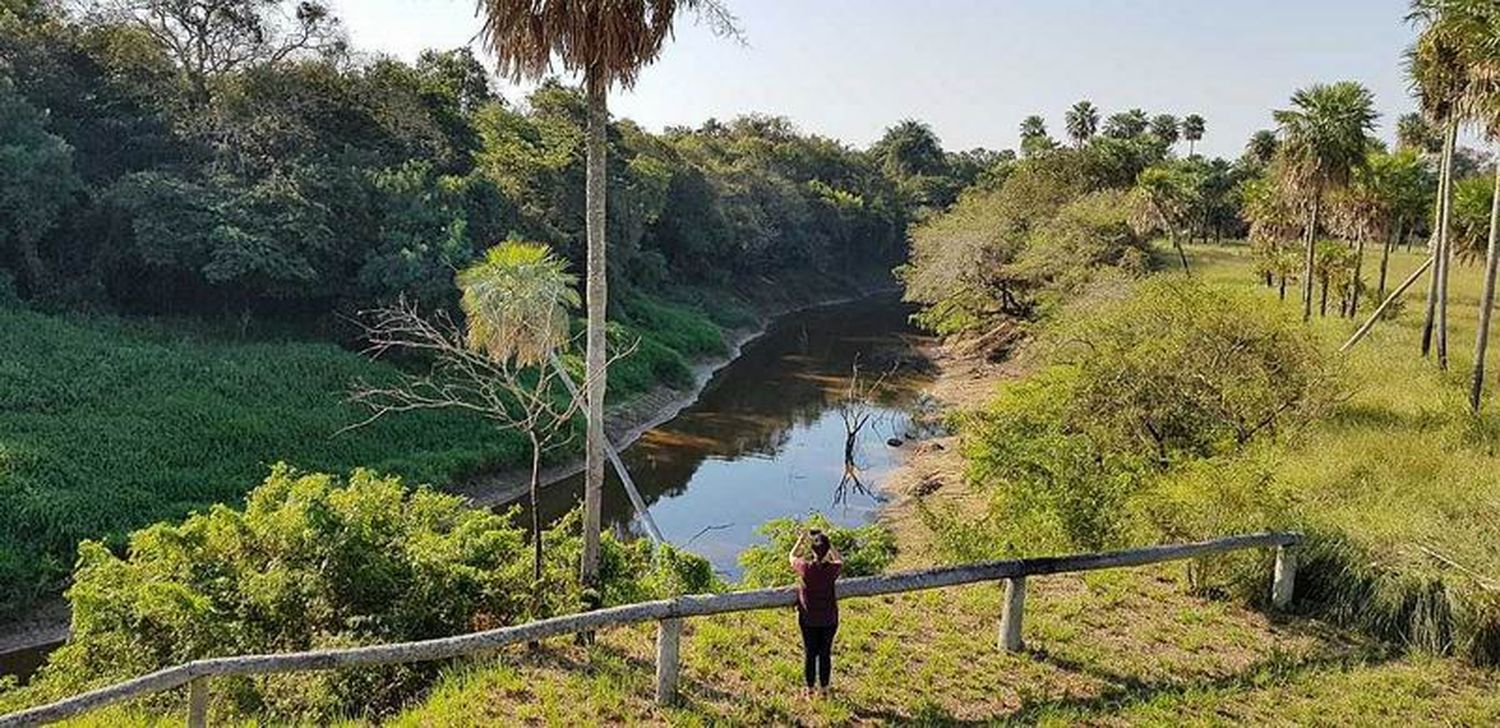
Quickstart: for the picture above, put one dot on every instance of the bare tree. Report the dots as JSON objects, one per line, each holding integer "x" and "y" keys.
{"x": 207, "y": 38}
{"x": 856, "y": 406}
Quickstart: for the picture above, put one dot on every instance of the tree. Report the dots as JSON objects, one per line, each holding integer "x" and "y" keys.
{"x": 1324, "y": 137}
{"x": 1126, "y": 124}
{"x": 499, "y": 365}
{"x": 1192, "y": 130}
{"x": 1034, "y": 138}
{"x": 1439, "y": 67}
{"x": 1413, "y": 132}
{"x": 208, "y": 38}
{"x": 608, "y": 43}
{"x": 1261, "y": 147}
{"x": 1082, "y": 122}
{"x": 37, "y": 183}
{"x": 1166, "y": 129}
{"x": 1169, "y": 192}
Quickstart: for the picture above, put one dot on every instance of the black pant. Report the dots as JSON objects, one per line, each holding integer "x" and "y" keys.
{"x": 817, "y": 652}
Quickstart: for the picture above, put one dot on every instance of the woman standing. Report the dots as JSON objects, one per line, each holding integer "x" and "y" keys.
{"x": 817, "y": 604}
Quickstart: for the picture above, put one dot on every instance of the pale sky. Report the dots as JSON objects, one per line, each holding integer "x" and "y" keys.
{"x": 973, "y": 69}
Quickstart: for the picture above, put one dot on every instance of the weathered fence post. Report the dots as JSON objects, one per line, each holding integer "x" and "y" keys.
{"x": 1010, "y": 621}
{"x": 198, "y": 702}
{"x": 668, "y": 641}
{"x": 1285, "y": 577}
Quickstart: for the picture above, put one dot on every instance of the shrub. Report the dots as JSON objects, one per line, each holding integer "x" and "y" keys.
{"x": 1173, "y": 373}
{"x": 866, "y": 550}
{"x": 316, "y": 562}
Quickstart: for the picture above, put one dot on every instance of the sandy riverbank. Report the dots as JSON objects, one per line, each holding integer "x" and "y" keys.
{"x": 933, "y": 470}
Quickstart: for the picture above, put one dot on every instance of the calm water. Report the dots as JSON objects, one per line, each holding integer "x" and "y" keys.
{"x": 766, "y": 438}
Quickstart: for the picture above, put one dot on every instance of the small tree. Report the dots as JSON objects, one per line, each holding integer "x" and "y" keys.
{"x": 499, "y": 365}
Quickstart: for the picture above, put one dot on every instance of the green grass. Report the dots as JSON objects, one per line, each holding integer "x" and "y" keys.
{"x": 1400, "y": 482}
{"x": 107, "y": 425}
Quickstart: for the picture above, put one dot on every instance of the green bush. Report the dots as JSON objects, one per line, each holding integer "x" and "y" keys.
{"x": 866, "y": 550}
{"x": 315, "y": 562}
{"x": 1140, "y": 388}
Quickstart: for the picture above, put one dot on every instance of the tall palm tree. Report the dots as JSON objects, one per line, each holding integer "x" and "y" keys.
{"x": 516, "y": 301}
{"x": 1481, "y": 48}
{"x": 608, "y": 43}
{"x": 1440, "y": 67}
{"x": 1082, "y": 121}
{"x": 1324, "y": 136}
{"x": 1193, "y": 127}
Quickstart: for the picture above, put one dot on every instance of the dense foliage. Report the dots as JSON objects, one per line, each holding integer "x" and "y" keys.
{"x": 1173, "y": 373}
{"x": 314, "y": 561}
{"x": 1003, "y": 249}
{"x": 310, "y": 183}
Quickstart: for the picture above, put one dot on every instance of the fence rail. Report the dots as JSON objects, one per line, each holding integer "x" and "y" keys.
{"x": 668, "y": 613}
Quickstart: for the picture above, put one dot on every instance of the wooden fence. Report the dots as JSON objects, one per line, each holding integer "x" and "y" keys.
{"x": 668, "y": 614}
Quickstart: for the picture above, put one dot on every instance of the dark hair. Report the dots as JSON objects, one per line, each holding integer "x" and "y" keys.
{"x": 820, "y": 544}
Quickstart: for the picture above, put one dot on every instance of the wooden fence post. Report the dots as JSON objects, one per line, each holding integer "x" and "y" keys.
{"x": 1010, "y": 621}
{"x": 198, "y": 703}
{"x": 668, "y": 642}
{"x": 1285, "y": 578}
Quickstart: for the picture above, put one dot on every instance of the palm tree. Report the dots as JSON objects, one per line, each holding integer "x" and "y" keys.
{"x": 1413, "y": 132}
{"x": 1324, "y": 136}
{"x": 608, "y": 43}
{"x": 1034, "y": 137}
{"x": 1082, "y": 121}
{"x": 516, "y": 301}
{"x": 1126, "y": 124}
{"x": 1439, "y": 64}
{"x": 1193, "y": 127}
{"x": 1261, "y": 147}
{"x": 1166, "y": 129}
{"x": 1170, "y": 193}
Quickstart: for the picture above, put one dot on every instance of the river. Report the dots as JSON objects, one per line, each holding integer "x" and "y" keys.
{"x": 765, "y": 439}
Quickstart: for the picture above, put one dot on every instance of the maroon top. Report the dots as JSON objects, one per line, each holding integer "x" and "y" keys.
{"x": 817, "y": 604}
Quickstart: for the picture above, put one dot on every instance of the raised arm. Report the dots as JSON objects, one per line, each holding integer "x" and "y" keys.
{"x": 791, "y": 556}
{"x": 834, "y": 557}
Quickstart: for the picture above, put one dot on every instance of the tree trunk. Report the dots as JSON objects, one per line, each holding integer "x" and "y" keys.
{"x": 1323, "y": 305}
{"x": 1282, "y": 291}
{"x": 597, "y": 294}
{"x": 1181, "y": 254}
{"x": 1429, "y": 318}
{"x": 1486, "y": 299}
{"x": 1359, "y": 264}
{"x": 1307, "y": 267}
{"x": 38, "y": 280}
{"x": 1445, "y": 261}
{"x": 536, "y": 525}
{"x": 1385, "y": 255}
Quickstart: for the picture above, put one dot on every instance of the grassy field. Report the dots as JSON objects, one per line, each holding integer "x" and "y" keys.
{"x": 107, "y": 425}
{"x": 1400, "y": 468}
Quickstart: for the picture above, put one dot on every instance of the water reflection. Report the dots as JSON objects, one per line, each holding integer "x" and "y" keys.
{"x": 765, "y": 440}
